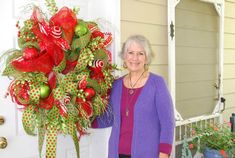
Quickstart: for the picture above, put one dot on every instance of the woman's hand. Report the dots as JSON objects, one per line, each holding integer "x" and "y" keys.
{"x": 163, "y": 155}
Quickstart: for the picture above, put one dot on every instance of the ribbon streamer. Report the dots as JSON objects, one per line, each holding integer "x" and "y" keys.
{"x": 28, "y": 120}
{"x": 51, "y": 141}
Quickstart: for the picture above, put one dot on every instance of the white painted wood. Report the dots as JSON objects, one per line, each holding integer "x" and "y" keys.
{"x": 214, "y": 1}
{"x": 171, "y": 58}
{"x": 219, "y": 6}
{"x": 171, "y": 53}
{"x": 21, "y": 145}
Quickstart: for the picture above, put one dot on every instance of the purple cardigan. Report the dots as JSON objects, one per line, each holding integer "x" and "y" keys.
{"x": 153, "y": 120}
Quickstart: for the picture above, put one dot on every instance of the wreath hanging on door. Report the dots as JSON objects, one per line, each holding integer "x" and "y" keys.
{"x": 62, "y": 74}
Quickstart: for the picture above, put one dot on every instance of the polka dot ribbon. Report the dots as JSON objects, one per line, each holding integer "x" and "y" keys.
{"x": 28, "y": 120}
{"x": 61, "y": 66}
{"x": 35, "y": 92}
{"x": 86, "y": 57}
{"x": 51, "y": 141}
{"x": 41, "y": 136}
{"x": 73, "y": 133}
{"x": 51, "y": 135}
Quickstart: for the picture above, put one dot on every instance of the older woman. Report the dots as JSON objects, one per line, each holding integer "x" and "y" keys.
{"x": 143, "y": 119}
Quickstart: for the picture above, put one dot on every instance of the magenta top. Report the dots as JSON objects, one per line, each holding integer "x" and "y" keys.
{"x": 127, "y": 115}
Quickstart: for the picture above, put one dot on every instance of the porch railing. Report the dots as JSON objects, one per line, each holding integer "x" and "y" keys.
{"x": 185, "y": 127}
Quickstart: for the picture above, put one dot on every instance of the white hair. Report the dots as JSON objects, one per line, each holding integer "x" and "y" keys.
{"x": 140, "y": 40}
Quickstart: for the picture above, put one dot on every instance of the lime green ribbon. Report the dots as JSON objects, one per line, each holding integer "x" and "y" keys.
{"x": 52, "y": 130}
{"x": 86, "y": 57}
{"x": 41, "y": 136}
{"x": 73, "y": 133}
{"x": 58, "y": 92}
{"x": 95, "y": 43}
{"x": 59, "y": 68}
{"x": 51, "y": 140}
{"x": 81, "y": 42}
{"x": 9, "y": 70}
{"x": 28, "y": 120}
{"x": 35, "y": 92}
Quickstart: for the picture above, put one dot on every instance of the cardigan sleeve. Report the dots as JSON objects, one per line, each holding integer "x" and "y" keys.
{"x": 166, "y": 116}
{"x": 105, "y": 120}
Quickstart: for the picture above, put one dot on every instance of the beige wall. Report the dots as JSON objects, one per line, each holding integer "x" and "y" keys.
{"x": 149, "y": 17}
{"x": 196, "y": 43}
{"x": 229, "y": 57}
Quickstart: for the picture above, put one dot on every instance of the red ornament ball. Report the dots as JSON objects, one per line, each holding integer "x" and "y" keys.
{"x": 30, "y": 53}
{"x": 89, "y": 93}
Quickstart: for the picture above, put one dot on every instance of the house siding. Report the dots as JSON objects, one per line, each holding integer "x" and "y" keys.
{"x": 229, "y": 58}
{"x": 149, "y": 17}
{"x": 196, "y": 45}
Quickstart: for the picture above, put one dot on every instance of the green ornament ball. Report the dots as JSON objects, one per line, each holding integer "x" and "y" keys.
{"x": 44, "y": 91}
{"x": 80, "y": 29}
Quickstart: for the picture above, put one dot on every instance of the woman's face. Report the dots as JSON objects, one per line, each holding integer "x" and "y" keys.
{"x": 135, "y": 58}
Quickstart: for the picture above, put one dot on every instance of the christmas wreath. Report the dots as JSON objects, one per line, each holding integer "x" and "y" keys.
{"x": 62, "y": 74}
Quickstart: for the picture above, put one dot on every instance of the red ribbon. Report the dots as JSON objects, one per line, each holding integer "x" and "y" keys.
{"x": 66, "y": 19}
{"x": 96, "y": 73}
{"x": 41, "y": 64}
{"x": 52, "y": 34}
{"x": 51, "y": 43}
{"x": 19, "y": 92}
{"x": 70, "y": 65}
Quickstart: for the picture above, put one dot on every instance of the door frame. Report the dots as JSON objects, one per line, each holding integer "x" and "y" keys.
{"x": 219, "y": 6}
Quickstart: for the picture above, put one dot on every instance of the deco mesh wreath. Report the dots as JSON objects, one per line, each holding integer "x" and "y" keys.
{"x": 62, "y": 74}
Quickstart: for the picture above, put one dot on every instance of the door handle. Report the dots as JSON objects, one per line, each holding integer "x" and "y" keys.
{"x": 2, "y": 120}
{"x": 3, "y": 142}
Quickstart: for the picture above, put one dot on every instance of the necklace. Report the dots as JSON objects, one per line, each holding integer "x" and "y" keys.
{"x": 131, "y": 90}
{"x": 130, "y": 100}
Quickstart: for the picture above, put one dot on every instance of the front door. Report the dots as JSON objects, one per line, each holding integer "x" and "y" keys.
{"x": 18, "y": 143}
